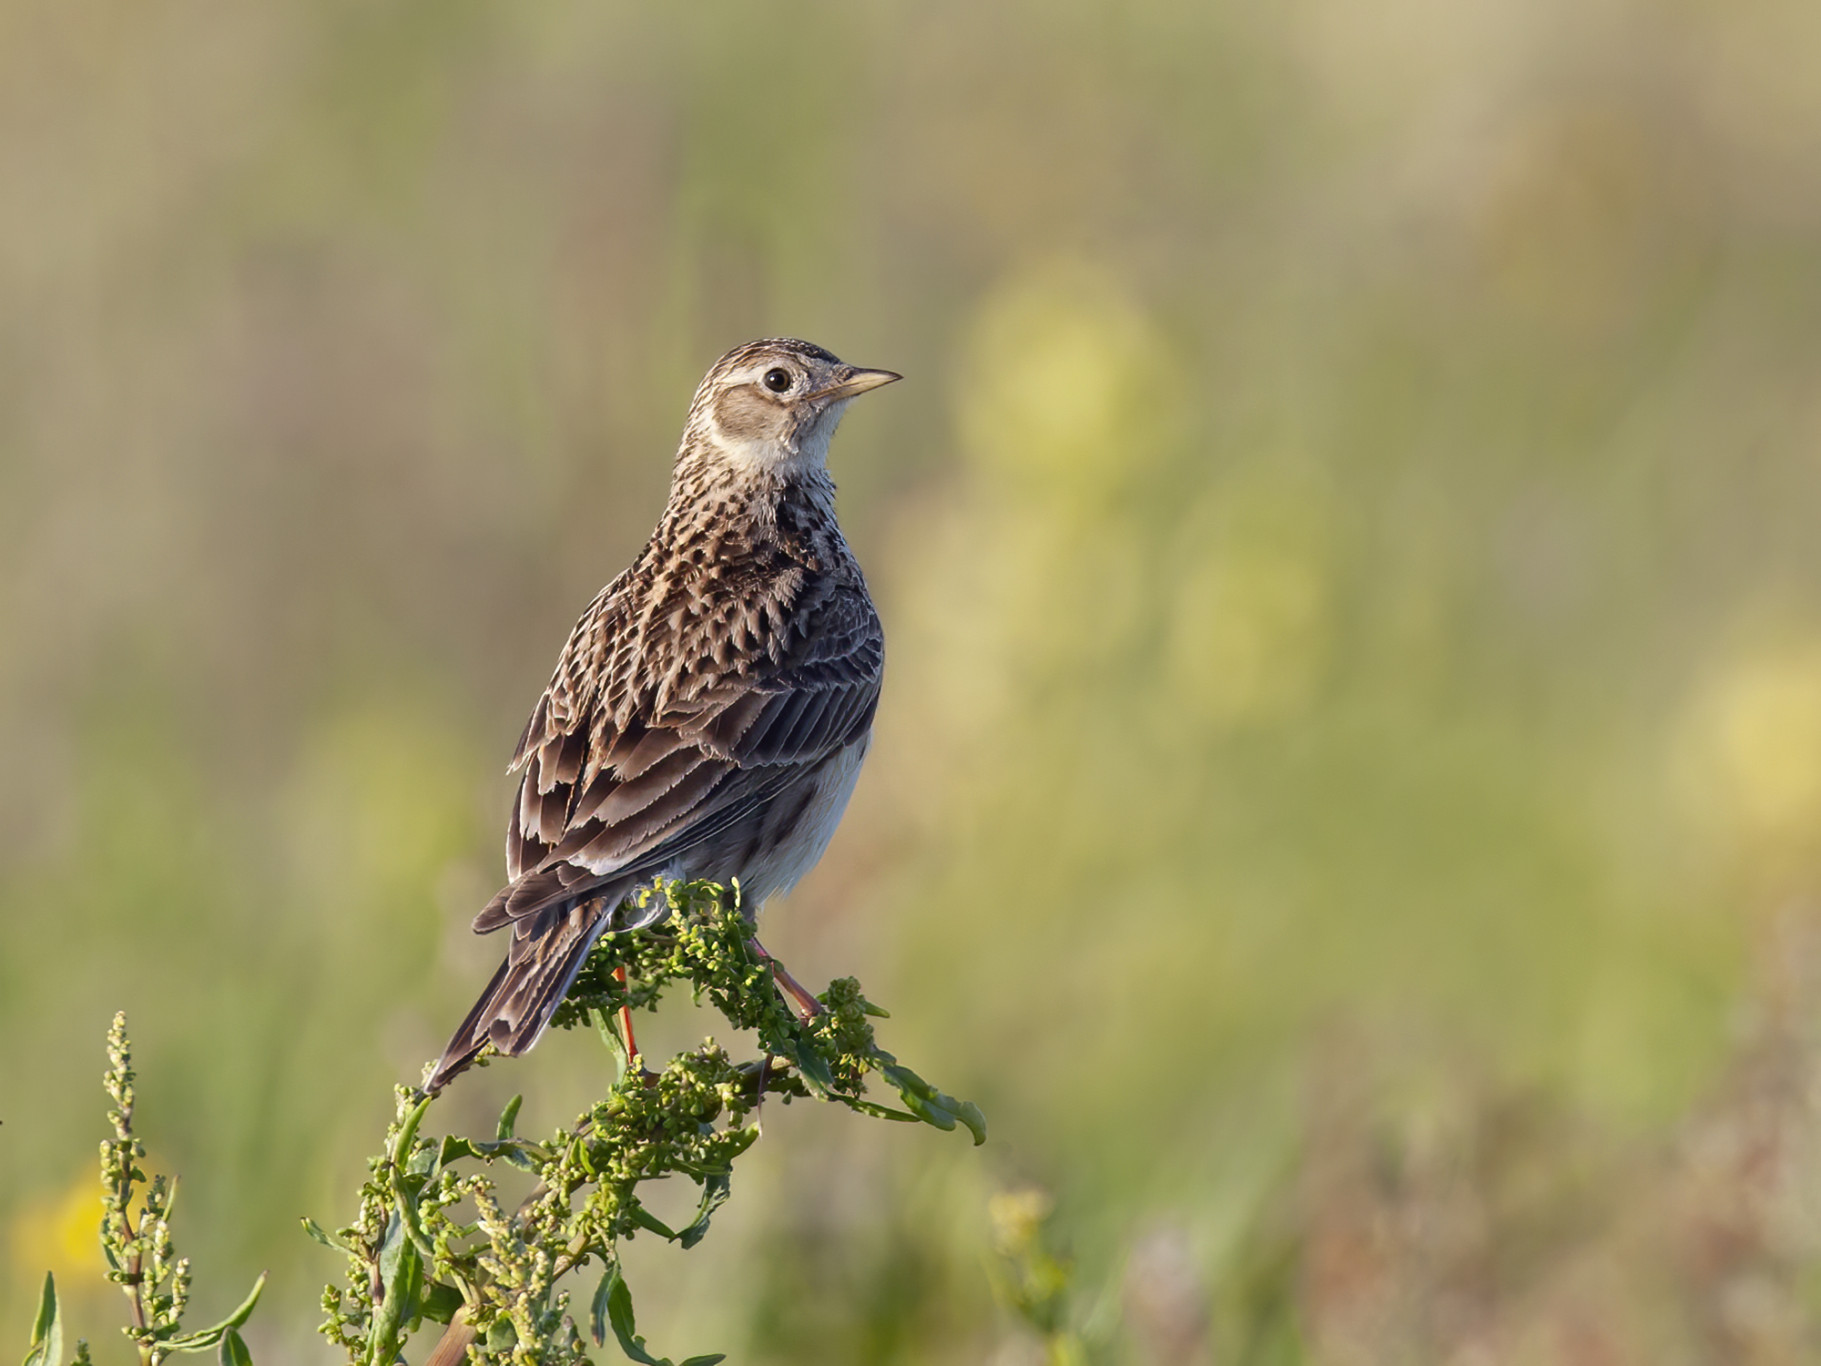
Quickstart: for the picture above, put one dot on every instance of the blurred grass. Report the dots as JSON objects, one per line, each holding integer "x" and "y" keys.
{"x": 1350, "y": 771}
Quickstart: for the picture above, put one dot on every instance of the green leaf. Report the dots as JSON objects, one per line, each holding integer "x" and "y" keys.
{"x": 877, "y": 1111}
{"x": 407, "y": 1134}
{"x": 322, "y": 1235}
{"x": 404, "y": 1209}
{"x": 933, "y": 1106}
{"x": 47, "y": 1328}
{"x": 502, "y": 1337}
{"x": 400, "y": 1280}
{"x": 604, "y": 1026}
{"x": 811, "y": 1066}
{"x": 508, "y": 1117}
{"x": 712, "y": 1359}
{"x": 597, "y": 1307}
{"x": 645, "y": 1219}
{"x": 970, "y": 1115}
{"x": 715, "y": 1190}
{"x": 210, "y": 1336}
{"x": 441, "y": 1302}
{"x": 516, "y": 1152}
{"x": 619, "y": 1317}
{"x": 404, "y": 1190}
{"x": 234, "y": 1350}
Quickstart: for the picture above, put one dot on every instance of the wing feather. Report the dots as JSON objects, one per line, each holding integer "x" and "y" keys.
{"x": 618, "y": 782}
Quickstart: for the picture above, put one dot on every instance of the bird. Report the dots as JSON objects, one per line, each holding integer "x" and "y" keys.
{"x": 710, "y": 711}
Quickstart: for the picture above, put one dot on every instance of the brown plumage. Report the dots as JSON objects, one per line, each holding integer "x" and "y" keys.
{"x": 709, "y": 713}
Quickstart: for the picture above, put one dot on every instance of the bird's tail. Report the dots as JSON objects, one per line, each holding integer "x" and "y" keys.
{"x": 516, "y": 1007}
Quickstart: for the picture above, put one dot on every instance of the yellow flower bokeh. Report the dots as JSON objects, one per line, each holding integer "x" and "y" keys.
{"x": 59, "y": 1234}
{"x": 1750, "y": 754}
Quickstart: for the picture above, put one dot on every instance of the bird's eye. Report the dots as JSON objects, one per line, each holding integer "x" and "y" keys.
{"x": 778, "y": 381}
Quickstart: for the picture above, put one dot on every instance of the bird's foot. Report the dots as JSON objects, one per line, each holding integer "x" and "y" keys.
{"x": 647, "y": 1077}
{"x": 800, "y": 997}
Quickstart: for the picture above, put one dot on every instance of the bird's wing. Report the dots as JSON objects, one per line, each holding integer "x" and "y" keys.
{"x": 627, "y": 766}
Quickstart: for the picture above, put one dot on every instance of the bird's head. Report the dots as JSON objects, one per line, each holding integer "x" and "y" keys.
{"x": 770, "y": 407}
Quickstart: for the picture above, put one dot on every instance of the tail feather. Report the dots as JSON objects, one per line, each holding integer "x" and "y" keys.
{"x": 516, "y": 1007}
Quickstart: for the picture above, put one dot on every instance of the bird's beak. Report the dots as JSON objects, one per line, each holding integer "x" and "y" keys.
{"x": 851, "y": 380}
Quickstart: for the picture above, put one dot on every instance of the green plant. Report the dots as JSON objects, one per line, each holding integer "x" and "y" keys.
{"x": 432, "y": 1241}
{"x": 1032, "y": 1279}
{"x": 136, "y": 1240}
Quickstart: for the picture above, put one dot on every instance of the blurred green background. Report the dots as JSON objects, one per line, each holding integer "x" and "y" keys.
{"x": 1348, "y": 793}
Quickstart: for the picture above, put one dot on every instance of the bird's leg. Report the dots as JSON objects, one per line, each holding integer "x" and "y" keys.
{"x": 632, "y": 1046}
{"x": 807, "y": 1006}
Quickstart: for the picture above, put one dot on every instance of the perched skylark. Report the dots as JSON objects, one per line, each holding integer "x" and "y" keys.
{"x": 709, "y": 714}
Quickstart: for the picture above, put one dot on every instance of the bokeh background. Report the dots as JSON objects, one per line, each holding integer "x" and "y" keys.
{"x": 1348, "y": 793}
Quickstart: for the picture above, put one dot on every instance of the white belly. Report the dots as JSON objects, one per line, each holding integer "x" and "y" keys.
{"x": 788, "y": 854}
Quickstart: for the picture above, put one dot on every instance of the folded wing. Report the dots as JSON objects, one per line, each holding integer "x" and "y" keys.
{"x": 620, "y": 780}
